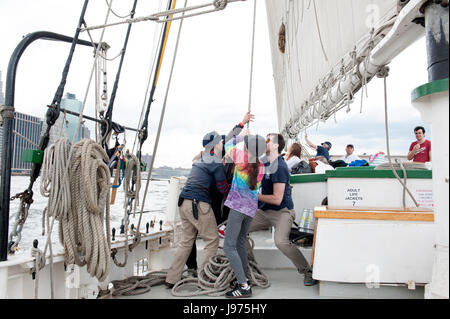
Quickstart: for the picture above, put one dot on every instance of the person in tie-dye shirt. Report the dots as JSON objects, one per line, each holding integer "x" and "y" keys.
{"x": 243, "y": 203}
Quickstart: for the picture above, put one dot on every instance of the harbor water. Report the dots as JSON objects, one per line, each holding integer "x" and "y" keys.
{"x": 154, "y": 210}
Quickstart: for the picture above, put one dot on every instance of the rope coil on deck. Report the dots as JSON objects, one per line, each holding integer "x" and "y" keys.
{"x": 137, "y": 285}
{"x": 216, "y": 278}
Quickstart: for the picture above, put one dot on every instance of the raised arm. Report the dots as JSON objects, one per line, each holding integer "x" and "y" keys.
{"x": 238, "y": 128}
{"x": 237, "y": 155}
{"x": 309, "y": 143}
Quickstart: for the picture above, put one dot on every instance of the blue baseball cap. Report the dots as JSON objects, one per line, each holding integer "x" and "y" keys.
{"x": 211, "y": 139}
{"x": 327, "y": 143}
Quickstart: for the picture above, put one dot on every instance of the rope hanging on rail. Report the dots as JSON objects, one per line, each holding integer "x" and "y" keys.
{"x": 384, "y": 73}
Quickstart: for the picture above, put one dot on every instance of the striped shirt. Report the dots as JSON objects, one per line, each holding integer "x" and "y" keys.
{"x": 241, "y": 198}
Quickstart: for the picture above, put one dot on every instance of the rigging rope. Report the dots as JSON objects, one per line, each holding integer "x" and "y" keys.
{"x": 132, "y": 164}
{"x": 251, "y": 63}
{"x": 39, "y": 263}
{"x": 217, "y": 4}
{"x": 106, "y": 126}
{"x": 119, "y": 16}
{"x": 25, "y": 138}
{"x": 97, "y": 51}
{"x": 151, "y": 68}
{"x": 383, "y": 73}
{"x": 161, "y": 120}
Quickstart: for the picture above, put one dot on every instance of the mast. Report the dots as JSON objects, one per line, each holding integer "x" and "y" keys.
{"x": 431, "y": 100}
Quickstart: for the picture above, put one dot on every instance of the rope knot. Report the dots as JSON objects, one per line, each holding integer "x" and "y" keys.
{"x": 383, "y": 72}
{"x": 220, "y": 4}
{"x": 40, "y": 259}
{"x": 6, "y": 112}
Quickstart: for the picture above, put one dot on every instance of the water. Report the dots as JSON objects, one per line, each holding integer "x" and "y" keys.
{"x": 156, "y": 202}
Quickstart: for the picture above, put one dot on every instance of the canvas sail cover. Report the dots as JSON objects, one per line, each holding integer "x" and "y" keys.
{"x": 318, "y": 35}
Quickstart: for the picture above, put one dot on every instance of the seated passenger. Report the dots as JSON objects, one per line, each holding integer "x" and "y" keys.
{"x": 349, "y": 156}
{"x": 276, "y": 207}
{"x": 322, "y": 150}
{"x": 293, "y": 155}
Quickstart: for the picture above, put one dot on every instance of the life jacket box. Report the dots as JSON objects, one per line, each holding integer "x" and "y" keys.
{"x": 308, "y": 191}
{"x": 365, "y": 187}
{"x": 374, "y": 246}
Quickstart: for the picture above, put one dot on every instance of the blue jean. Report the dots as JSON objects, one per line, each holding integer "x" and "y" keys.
{"x": 236, "y": 232}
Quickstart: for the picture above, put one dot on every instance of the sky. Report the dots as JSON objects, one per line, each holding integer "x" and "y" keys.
{"x": 210, "y": 85}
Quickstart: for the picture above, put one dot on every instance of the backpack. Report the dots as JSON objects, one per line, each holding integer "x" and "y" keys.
{"x": 338, "y": 163}
{"x": 301, "y": 168}
{"x": 358, "y": 163}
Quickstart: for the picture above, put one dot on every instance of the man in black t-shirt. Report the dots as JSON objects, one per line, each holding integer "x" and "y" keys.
{"x": 276, "y": 206}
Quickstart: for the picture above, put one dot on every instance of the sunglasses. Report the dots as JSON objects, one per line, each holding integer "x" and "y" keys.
{"x": 267, "y": 140}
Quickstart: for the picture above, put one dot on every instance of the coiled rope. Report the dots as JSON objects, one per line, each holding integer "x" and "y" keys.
{"x": 137, "y": 285}
{"x": 54, "y": 166}
{"x": 85, "y": 201}
{"x": 216, "y": 278}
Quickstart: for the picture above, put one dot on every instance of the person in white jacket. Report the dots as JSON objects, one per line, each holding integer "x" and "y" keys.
{"x": 350, "y": 157}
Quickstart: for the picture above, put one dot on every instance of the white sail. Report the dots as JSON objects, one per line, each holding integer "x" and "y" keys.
{"x": 321, "y": 36}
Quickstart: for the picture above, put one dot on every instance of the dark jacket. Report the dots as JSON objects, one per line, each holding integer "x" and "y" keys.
{"x": 207, "y": 172}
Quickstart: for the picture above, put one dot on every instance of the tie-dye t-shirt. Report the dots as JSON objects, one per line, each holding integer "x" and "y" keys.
{"x": 241, "y": 198}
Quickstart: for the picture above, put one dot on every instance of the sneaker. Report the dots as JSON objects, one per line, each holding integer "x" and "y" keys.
{"x": 221, "y": 231}
{"x": 239, "y": 292}
{"x": 192, "y": 272}
{"x": 309, "y": 280}
{"x": 234, "y": 284}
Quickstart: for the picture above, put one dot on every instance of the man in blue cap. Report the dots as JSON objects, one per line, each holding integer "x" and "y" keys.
{"x": 322, "y": 150}
{"x": 217, "y": 198}
{"x": 195, "y": 201}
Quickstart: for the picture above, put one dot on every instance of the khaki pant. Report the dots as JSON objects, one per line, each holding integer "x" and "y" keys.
{"x": 206, "y": 227}
{"x": 282, "y": 221}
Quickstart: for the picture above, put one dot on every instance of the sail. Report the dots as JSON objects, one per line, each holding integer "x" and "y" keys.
{"x": 312, "y": 42}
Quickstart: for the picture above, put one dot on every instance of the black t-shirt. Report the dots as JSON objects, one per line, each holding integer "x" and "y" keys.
{"x": 276, "y": 172}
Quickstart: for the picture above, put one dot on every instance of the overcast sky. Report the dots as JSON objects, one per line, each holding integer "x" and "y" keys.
{"x": 210, "y": 84}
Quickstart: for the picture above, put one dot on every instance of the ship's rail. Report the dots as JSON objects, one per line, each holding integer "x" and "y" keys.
{"x": 18, "y": 281}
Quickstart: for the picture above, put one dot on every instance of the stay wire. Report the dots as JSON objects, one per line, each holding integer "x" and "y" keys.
{"x": 161, "y": 118}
